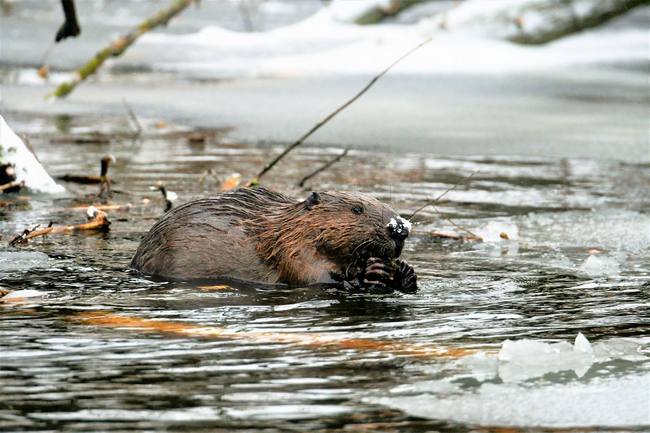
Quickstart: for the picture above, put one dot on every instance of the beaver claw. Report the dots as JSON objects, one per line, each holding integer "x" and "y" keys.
{"x": 380, "y": 277}
{"x": 405, "y": 275}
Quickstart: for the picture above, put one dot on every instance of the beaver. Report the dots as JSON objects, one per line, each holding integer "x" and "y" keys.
{"x": 255, "y": 234}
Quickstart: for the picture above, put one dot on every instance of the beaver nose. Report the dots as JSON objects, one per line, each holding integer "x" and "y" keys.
{"x": 398, "y": 228}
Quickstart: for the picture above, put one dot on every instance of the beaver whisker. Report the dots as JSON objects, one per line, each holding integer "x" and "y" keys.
{"x": 362, "y": 244}
{"x": 356, "y": 259}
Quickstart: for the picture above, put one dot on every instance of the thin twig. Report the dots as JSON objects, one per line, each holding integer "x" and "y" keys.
{"x": 323, "y": 167}
{"x": 134, "y": 119}
{"x": 47, "y": 52}
{"x": 448, "y": 190}
{"x": 455, "y": 237}
{"x": 316, "y": 127}
{"x": 458, "y": 226}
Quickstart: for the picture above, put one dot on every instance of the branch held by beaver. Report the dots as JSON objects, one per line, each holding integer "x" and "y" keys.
{"x": 255, "y": 234}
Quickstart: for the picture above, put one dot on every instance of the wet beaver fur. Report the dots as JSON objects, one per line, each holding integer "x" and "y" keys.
{"x": 255, "y": 234}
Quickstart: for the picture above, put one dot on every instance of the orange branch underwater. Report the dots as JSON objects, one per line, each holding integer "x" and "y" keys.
{"x": 318, "y": 341}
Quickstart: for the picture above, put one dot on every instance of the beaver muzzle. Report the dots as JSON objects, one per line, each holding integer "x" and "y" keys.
{"x": 399, "y": 228}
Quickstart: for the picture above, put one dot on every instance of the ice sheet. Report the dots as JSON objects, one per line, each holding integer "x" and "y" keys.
{"x": 611, "y": 403}
{"x": 510, "y": 391}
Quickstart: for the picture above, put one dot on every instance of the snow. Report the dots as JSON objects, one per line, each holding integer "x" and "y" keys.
{"x": 28, "y": 169}
{"x": 507, "y": 19}
{"x": 398, "y": 224}
{"x": 322, "y": 44}
{"x": 407, "y": 224}
{"x": 91, "y": 212}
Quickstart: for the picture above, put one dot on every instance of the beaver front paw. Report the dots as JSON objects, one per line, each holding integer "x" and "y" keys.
{"x": 382, "y": 277}
{"x": 377, "y": 276}
{"x": 404, "y": 277}
{"x": 387, "y": 277}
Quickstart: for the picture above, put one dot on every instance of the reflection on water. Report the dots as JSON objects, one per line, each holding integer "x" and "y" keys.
{"x": 106, "y": 349}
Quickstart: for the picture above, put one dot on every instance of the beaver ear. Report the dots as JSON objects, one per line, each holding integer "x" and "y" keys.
{"x": 312, "y": 200}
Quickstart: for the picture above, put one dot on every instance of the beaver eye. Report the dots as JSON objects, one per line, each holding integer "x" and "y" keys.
{"x": 357, "y": 210}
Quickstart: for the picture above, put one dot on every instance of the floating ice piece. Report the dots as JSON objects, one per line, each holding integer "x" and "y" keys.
{"x": 525, "y": 359}
{"x": 597, "y": 266}
{"x": 575, "y": 404}
{"x": 618, "y": 348}
{"x": 481, "y": 365}
{"x": 429, "y": 386}
{"x": 20, "y": 295}
{"x": 28, "y": 169}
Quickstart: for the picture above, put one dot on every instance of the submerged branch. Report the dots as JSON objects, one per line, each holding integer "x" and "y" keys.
{"x": 134, "y": 119}
{"x": 310, "y": 340}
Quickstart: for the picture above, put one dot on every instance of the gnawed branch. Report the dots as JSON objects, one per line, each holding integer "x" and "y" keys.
{"x": 532, "y": 21}
{"x": 97, "y": 221}
{"x": 379, "y": 11}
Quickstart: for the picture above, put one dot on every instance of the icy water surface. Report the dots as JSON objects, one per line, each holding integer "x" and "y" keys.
{"x": 107, "y": 350}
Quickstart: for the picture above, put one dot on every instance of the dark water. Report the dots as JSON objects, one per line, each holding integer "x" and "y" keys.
{"x": 308, "y": 360}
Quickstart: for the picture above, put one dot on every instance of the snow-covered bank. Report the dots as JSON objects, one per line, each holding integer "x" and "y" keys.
{"x": 27, "y": 168}
{"x": 323, "y": 44}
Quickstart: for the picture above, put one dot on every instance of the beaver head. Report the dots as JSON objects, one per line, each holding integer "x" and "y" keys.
{"x": 356, "y": 225}
{"x": 343, "y": 228}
